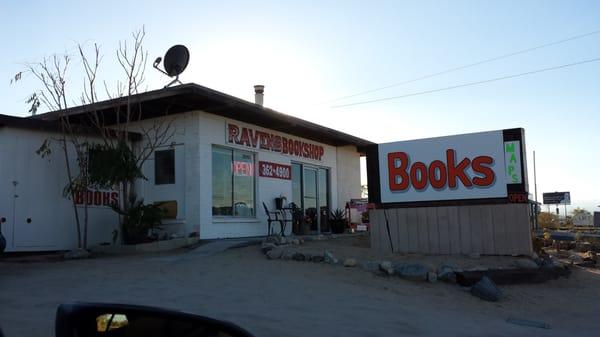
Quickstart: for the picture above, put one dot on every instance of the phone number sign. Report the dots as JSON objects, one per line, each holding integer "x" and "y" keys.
{"x": 274, "y": 170}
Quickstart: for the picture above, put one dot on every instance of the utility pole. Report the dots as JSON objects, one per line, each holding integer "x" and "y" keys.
{"x": 534, "y": 178}
{"x": 535, "y": 192}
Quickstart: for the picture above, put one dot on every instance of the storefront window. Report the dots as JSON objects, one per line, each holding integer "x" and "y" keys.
{"x": 233, "y": 182}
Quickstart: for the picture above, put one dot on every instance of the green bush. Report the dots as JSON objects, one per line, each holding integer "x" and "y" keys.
{"x": 138, "y": 219}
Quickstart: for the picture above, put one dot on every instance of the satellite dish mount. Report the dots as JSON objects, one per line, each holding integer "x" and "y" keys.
{"x": 175, "y": 61}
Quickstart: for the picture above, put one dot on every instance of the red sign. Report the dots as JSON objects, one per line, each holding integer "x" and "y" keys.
{"x": 518, "y": 197}
{"x": 96, "y": 198}
{"x": 268, "y": 141}
{"x": 274, "y": 170}
{"x": 242, "y": 169}
{"x": 438, "y": 173}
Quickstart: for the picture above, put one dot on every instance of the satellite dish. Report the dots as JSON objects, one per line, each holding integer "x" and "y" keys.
{"x": 175, "y": 61}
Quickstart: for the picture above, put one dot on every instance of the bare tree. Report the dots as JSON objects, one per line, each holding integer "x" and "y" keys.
{"x": 51, "y": 73}
{"x": 113, "y": 133}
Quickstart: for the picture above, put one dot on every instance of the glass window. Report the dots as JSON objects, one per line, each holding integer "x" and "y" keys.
{"x": 164, "y": 167}
{"x": 233, "y": 182}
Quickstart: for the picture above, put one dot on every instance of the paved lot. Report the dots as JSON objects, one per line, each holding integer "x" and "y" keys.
{"x": 285, "y": 298}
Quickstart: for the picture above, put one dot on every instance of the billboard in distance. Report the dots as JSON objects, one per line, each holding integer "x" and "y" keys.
{"x": 557, "y": 198}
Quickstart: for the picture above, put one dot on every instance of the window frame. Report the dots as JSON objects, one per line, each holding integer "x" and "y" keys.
{"x": 174, "y": 180}
{"x": 254, "y": 179}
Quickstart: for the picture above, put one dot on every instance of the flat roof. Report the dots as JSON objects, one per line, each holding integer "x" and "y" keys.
{"x": 28, "y": 123}
{"x": 189, "y": 97}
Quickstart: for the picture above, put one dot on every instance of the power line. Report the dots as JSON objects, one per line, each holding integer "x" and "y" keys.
{"x": 523, "y": 51}
{"x": 471, "y": 83}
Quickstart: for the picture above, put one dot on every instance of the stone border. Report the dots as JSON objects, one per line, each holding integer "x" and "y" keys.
{"x": 150, "y": 247}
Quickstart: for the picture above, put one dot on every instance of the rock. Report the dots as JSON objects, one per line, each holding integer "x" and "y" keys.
{"x": 288, "y": 254}
{"x": 298, "y": 257}
{"x": 432, "y": 277}
{"x": 318, "y": 258}
{"x": 589, "y": 256}
{"x": 308, "y": 256}
{"x": 371, "y": 266}
{"x": 76, "y": 254}
{"x": 295, "y": 241}
{"x": 275, "y": 253}
{"x": 274, "y": 239}
{"x": 329, "y": 258}
{"x": 350, "y": 262}
{"x": 583, "y": 246}
{"x": 386, "y": 266}
{"x": 282, "y": 240}
{"x": 413, "y": 272}
{"x": 575, "y": 259}
{"x": 486, "y": 290}
{"x": 267, "y": 246}
{"x": 525, "y": 264}
{"x": 446, "y": 273}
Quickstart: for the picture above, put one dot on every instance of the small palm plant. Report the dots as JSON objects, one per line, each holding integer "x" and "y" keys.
{"x": 337, "y": 219}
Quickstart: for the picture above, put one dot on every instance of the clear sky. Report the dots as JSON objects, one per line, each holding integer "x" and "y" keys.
{"x": 309, "y": 53}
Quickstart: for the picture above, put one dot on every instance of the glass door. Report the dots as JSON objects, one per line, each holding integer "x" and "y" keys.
{"x": 310, "y": 199}
{"x": 323, "y": 199}
{"x": 310, "y": 192}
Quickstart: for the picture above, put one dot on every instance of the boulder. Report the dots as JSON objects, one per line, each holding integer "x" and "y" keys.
{"x": 288, "y": 254}
{"x": 432, "y": 277}
{"x": 298, "y": 257}
{"x": 350, "y": 262}
{"x": 575, "y": 259}
{"x": 413, "y": 272}
{"x": 386, "y": 267}
{"x": 446, "y": 273}
{"x": 275, "y": 253}
{"x": 76, "y": 254}
{"x": 317, "y": 258}
{"x": 267, "y": 246}
{"x": 525, "y": 264}
{"x": 295, "y": 241}
{"x": 274, "y": 239}
{"x": 589, "y": 256}
{"x": 371, "y": 266}
{"x": 486, "y": 290}
{"x": 583, "y": 246}
{"x": 329, "y": 258}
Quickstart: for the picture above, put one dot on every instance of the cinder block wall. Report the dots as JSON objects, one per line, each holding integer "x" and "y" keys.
{"x": 501, "y": 229}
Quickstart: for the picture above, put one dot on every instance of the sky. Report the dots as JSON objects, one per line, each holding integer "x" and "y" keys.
{"x": 308, "y": 54}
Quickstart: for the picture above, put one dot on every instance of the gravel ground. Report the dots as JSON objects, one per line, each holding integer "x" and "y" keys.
{"x": 289, "y": 298}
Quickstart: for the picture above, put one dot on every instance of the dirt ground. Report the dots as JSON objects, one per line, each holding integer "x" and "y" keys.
{"x": 289, "y": 298}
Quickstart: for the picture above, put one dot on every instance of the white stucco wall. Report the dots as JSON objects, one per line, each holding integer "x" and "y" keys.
{"x": 199, "y": 131}
{"x": 348, "y": 172}
{"x": 38, "y": 195}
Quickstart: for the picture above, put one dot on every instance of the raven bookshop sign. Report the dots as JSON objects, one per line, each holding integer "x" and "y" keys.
{"x": 256, "y": 139}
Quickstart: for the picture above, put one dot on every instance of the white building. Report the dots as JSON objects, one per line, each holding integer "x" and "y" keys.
{"x": 226, "y": 158}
